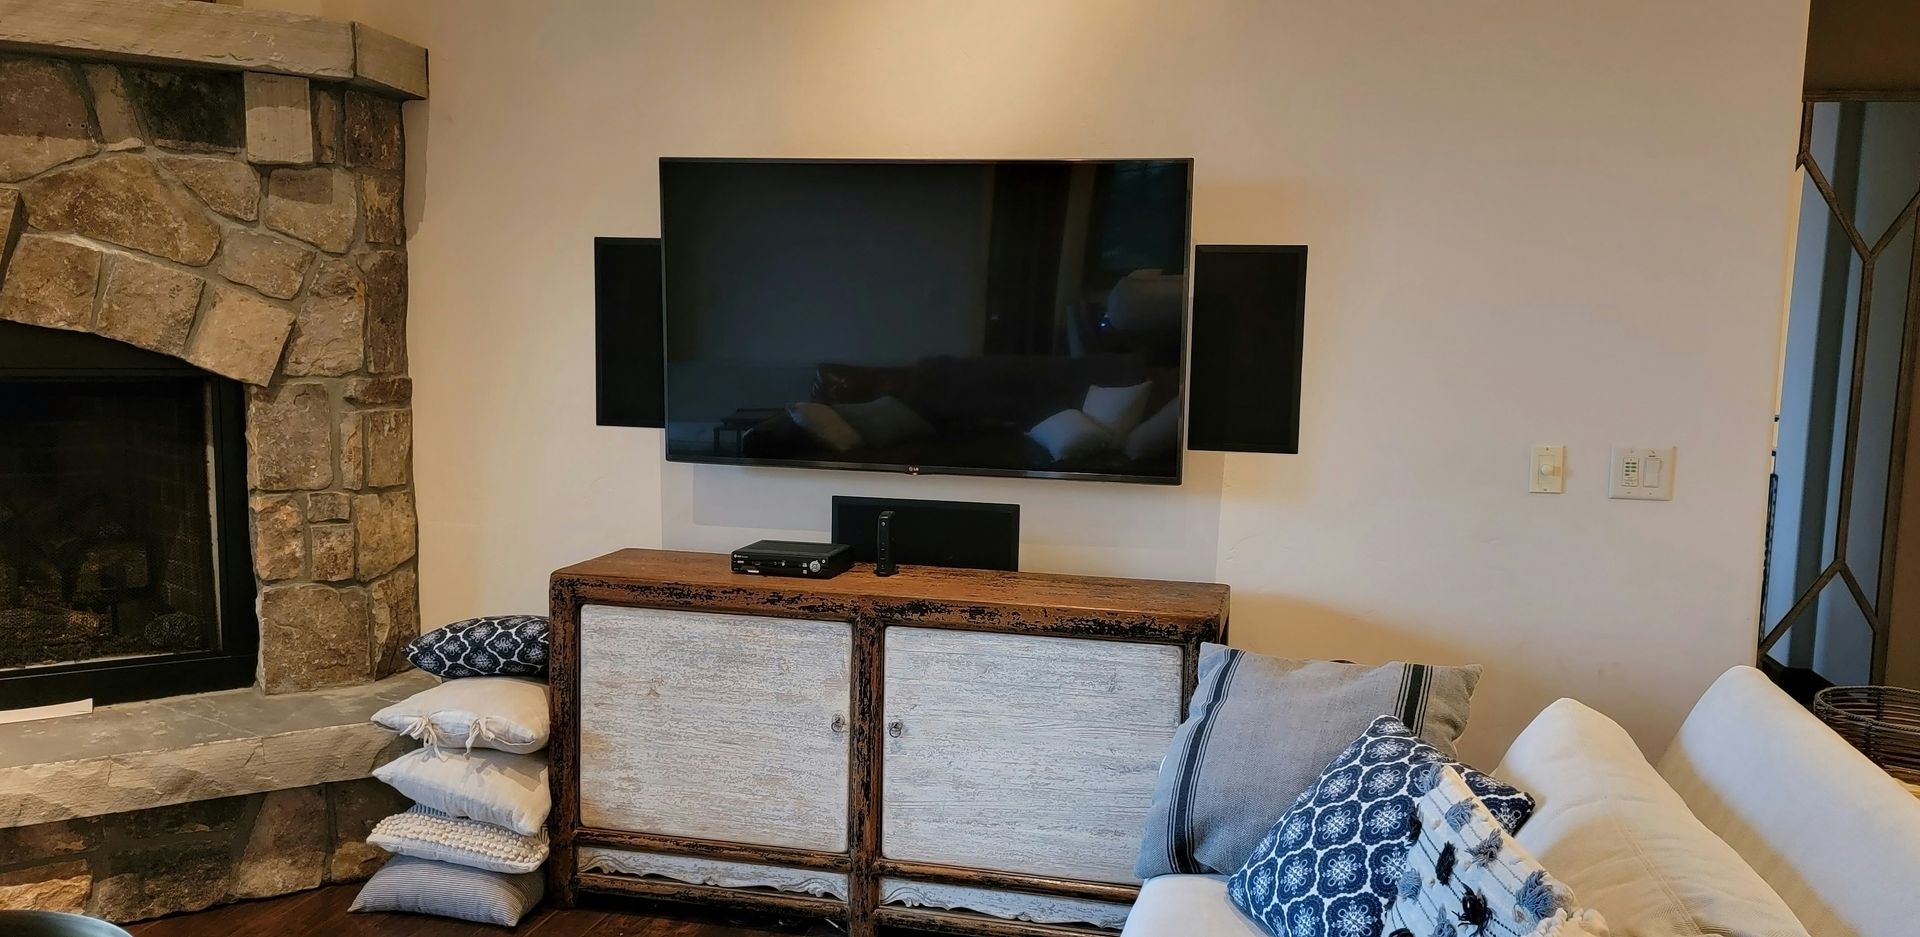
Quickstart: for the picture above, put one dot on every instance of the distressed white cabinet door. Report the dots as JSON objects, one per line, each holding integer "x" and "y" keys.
{"x": 1023, "y": 754}
{"x": 724, "y": 727}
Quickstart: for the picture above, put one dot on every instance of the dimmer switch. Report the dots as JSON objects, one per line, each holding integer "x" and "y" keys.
{"x": 1549, "y": 470}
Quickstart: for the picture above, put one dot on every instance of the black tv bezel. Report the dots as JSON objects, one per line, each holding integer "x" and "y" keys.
{"x": 1186, "y": 337}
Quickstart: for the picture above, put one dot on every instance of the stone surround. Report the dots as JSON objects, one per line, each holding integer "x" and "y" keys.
{"x": 250, "y": 224}
{"x": 224, "y": 186}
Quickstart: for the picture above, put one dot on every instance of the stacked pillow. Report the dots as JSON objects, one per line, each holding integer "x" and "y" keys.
{"x": 472, "y": 846}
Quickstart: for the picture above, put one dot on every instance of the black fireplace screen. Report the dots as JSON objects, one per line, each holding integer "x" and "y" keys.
{"x": 124, "y": 569}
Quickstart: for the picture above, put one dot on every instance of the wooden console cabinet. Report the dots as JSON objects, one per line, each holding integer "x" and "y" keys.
{"x": 958, "y": 751}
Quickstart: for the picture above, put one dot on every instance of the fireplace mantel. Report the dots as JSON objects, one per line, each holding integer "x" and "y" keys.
{"x": 195, "y": 34}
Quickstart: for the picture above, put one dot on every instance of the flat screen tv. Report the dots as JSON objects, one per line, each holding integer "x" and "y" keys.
{"x": 1009, "y": 317}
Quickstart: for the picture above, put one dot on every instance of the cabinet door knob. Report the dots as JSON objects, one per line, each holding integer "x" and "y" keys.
{"x": 839, "y": 724}
{"x": 896, "y": 727}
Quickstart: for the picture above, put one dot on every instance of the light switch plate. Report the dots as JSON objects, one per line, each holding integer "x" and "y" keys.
{"x": 1548, "y": 470}
{"x": 1639, "y": 474}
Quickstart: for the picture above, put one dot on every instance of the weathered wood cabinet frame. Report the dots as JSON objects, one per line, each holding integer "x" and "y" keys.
{"x": 1139, "y": 611}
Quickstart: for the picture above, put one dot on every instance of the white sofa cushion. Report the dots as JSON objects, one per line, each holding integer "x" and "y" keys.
{"x": 1836, "y": 837}
{"x": 1611, "y": 829}
{"x": 1187, "y": 906}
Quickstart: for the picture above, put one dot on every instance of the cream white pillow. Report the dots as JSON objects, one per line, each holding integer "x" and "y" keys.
{"x": 429, "y": 834}
{"x": 1158, "y": 435}
{"x": 1069, "y": 434}
{"x": 1117, "y": 409}
{"x": 500, "y": 788}
{"x": 884, "y": 422}
{"x": 826, "y": 426}
{"x": 508, "y": 714}
{"x": 1609, "y": 827}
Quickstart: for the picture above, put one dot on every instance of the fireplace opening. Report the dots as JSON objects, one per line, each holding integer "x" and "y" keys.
{"x": 124, "y": 567}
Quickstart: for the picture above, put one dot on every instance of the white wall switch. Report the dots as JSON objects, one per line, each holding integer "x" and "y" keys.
{"x": 1641, "y": 474}
{"x": 1549, "y": 470}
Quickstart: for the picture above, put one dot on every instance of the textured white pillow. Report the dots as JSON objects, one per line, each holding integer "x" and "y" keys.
{"x": 884, "y": 422}
{"x": 1069, "y": 434}
{"x": 504, "y": 713}
{"x": 426, "y": 833}
{"x": 1117, "y": 409}
{"x": 825, "y": 425}
{"x": 493, "y": 787}
{"x": 1158, "y": 435}
{"x": 1612, "y": 829}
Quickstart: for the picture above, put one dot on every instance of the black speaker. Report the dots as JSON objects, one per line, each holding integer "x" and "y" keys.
{"x": 963, "y": 534}
{"x": 1243, "y": 377}
{"x": 628, "y": 337}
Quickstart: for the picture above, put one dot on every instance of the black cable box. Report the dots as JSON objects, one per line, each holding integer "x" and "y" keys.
{"x": 793, "y": 558}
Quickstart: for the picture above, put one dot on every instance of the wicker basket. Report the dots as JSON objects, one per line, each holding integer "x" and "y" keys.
{"x": 1883, "y": 722}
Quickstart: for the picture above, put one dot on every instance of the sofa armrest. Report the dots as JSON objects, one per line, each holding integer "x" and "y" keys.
{"x": 1836, "y": 836}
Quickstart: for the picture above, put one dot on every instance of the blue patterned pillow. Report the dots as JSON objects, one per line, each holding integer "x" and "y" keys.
{"x": 494, "y": 646}
{"x": 1331, "y": 864}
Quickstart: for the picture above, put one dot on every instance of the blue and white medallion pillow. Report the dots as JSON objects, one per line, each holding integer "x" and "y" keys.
{"x": 1466, "y": 877}
{"x": 493, "y": 646}
{"x": 1333, "y": 862}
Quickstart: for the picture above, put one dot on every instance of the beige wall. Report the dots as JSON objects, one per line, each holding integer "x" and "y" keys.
{"x": 1530, "y": 223}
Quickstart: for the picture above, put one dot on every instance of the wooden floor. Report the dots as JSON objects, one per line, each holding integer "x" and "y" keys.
{"x": 323, "y": 913}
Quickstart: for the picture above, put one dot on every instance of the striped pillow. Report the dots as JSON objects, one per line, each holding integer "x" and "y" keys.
{"x": 422, "y": 886}
{"x": 1259, "y": 730}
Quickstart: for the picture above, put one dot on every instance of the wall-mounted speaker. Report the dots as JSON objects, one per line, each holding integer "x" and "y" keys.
{"x": 628, "y": 337}
{"x": 1243, "y": 378}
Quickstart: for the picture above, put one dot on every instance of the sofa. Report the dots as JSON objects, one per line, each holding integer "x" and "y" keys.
{"x": 1758, "y": 821}
{"x": 979, "y": 411}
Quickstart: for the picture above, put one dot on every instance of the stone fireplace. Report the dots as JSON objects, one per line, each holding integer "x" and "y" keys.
{"x": 248, "y": 225}
{"x": 204, "y": 422}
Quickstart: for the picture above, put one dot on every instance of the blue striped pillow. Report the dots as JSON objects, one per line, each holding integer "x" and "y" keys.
{"x": 1259, "y": 730}
{"x": 442, "y": 889}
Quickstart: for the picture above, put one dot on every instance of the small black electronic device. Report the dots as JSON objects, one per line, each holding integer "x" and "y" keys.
{"x": 793, "y": 558}
{"x": 883, "y": 564}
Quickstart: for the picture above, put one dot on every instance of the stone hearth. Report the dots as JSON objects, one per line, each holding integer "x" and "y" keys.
{"x": 144, "y": 809}
{"x": 250, "y": 224}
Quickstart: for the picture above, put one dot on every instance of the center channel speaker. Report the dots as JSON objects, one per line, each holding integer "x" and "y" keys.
{"x": 1243, "y": 377}
{"x": 962, "y": 534}
{"x": 629, "y": 336}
